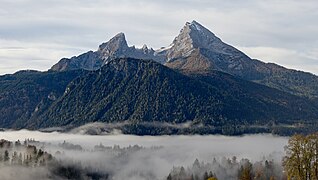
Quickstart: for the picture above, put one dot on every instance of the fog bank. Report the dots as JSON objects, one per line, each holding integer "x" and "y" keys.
{"x": 149, "y": 162}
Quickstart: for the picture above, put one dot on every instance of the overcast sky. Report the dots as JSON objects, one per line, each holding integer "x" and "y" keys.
{"x": 36, "y": 34}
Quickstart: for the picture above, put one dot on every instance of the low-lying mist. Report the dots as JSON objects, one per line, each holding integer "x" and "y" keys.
{"x": 148, "y": 157}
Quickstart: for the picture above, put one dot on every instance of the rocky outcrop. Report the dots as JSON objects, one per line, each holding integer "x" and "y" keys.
{"x": 116, "y": 47}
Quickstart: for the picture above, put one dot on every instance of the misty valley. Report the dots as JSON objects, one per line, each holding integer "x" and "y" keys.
{"x": 185, "y": 107}
{"x": 37, "y": 155}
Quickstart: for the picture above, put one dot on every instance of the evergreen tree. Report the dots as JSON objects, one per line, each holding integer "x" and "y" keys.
{"x": 6, "y": 156}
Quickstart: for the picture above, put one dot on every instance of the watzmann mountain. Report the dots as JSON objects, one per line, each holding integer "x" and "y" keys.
{"x": 196, "y": 50}
{"x": 198, "y": 80}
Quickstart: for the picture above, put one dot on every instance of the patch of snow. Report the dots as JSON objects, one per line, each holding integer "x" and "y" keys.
{"x": 163, "y": 49}
{"x": 196, "y": 26}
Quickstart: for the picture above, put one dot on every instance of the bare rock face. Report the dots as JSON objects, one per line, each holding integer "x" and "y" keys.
{"x": 182, "y": 45}
{"x": 196, "y": 49}
{"x": 116, "y": 47}
{"x": 194, "y": 62}
{"x": 192, "y": 36}
{"x": 88, "y": 61}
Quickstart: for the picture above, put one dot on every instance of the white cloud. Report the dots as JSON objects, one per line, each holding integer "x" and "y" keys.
{"x": 305, "y": 60}
{"x": 15, "y": 55}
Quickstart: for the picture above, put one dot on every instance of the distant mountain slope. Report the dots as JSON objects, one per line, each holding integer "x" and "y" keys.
{"x": 198, "y": 50}
{"x": 26, "y": 93}
{"x": 146, "y": 91}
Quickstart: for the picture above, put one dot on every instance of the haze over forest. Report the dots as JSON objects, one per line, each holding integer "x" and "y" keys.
{"x": 157, "y": 156}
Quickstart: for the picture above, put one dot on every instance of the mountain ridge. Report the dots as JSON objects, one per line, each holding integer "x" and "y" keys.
{"x": 116, "y": 47}
{"x": 198, "y": 80}
{"x": 140, "y": 91}
{"x": 198, "y": 50}
{"x": 144, "y": 97}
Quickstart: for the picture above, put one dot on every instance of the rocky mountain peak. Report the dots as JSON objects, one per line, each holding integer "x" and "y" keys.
{"x": 197, "y": 49}
{"x": 201, "y": 37}
{"x": 145, "y": 47}
{"x": 194, "y": 26}
{"x": 191, "y": 37}
{"x": 116, "y": 43}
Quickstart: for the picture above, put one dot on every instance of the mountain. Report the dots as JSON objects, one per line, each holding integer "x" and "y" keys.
{"x": 140, "y": 91}
{"x": 26, "y": 93}
{"x": 144, "y": 97}
{"x": 198, "y": 84}
{"x": 196, "y": 50}
{"x": 116, "y": 47}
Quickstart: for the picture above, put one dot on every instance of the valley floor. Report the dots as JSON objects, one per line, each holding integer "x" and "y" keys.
{"x": 152, "y": 157}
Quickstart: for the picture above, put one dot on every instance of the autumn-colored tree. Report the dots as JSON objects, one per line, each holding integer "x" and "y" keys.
{"x": 314, "y": 148}
{"x": 301, "y": 160}
{"x": 212, "y": 178}
{"x": 245, "y": 172}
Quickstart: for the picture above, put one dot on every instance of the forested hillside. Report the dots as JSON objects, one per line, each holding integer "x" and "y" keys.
{"x": 140, "y": 91}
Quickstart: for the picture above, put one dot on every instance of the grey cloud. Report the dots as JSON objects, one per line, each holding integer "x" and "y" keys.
{"x": 84, "y": 24}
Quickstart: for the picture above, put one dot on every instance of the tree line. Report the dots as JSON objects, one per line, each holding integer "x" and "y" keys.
{"x": 300, "y": 162}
